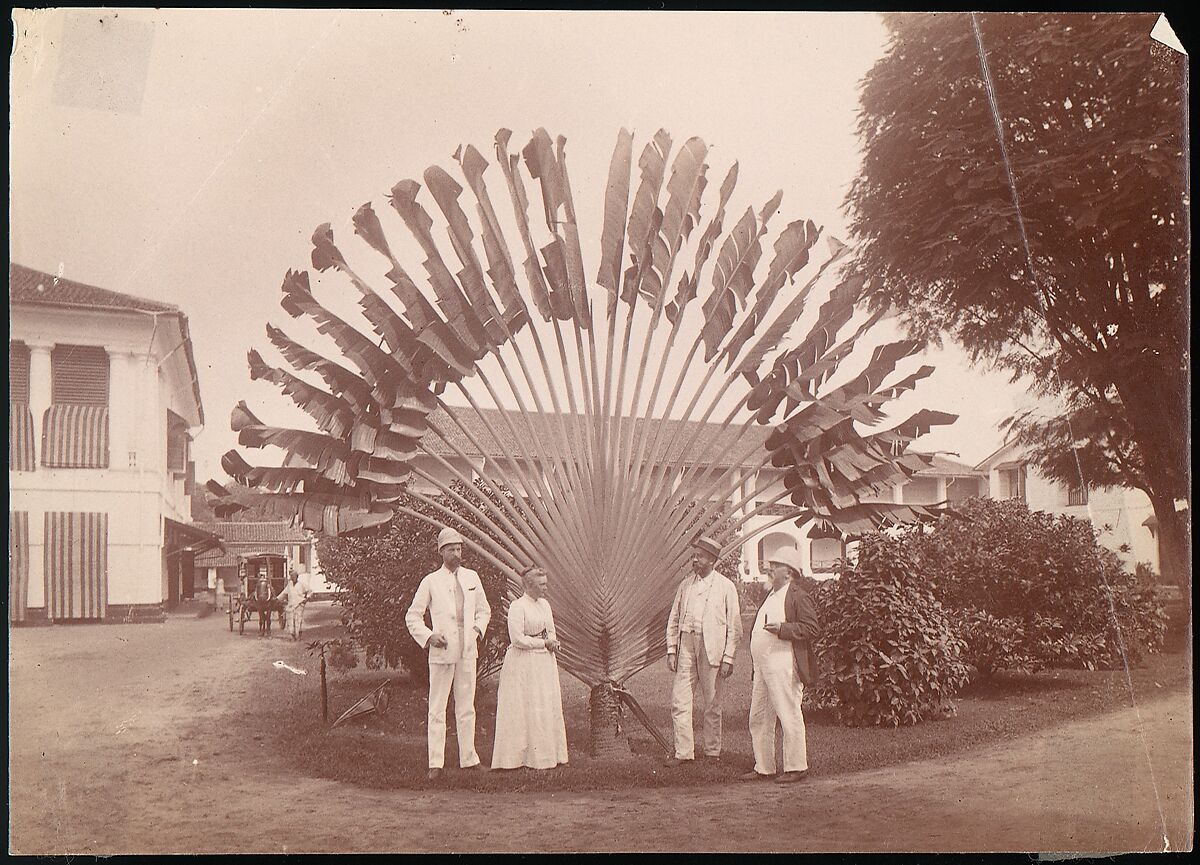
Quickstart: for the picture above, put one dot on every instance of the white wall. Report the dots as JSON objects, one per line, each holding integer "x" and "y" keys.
{"x": 134, "y": 536}
{"x": 1116, "y": 513}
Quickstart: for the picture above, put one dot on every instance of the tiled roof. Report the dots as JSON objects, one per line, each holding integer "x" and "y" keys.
{"x": 26, "y": 285}
{"x": 950, "y": 468}
{"x": 278, "y": 532}
{"x": 29, "y": 286}
{"x": 717, "y": 445}
{"x": 257, "y": 537}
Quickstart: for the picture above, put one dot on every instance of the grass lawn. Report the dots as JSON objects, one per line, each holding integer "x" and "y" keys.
{"x": 388, "y": 751}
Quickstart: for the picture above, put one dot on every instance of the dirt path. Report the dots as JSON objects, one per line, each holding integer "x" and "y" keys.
{"x": 99, "y": 765}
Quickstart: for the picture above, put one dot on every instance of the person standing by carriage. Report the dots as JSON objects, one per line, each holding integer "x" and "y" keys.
{"x": 294, "y": 596}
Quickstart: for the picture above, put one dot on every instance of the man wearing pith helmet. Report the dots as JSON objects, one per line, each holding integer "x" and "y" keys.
{"x": 782, "y": 651}
{"x": 703, "y": 631}
{"x": 459, "y": 614}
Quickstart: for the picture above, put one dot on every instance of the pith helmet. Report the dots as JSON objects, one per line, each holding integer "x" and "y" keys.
{"x": 789, "y": 556}
{"x": 449, "y": 536}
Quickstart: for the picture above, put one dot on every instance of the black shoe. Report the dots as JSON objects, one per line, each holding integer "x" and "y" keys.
{"x": 677, "y": 761}
{"x": 434, "y": 774}
{"x": 476, "y": 767}
{"x": 754, "y": 776}
{"x": 791, "y": 777}
{"x": 711, "y": 758}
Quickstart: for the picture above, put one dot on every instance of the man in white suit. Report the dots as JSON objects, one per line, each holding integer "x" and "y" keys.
{"x": 703, "y": 631}
{"x": 459, "y": 612}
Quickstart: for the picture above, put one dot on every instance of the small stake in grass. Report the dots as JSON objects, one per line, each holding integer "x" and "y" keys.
{"x": 319, "y": 646}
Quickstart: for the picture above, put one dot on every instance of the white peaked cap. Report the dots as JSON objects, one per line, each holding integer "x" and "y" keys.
{"x": 449, "y": 536}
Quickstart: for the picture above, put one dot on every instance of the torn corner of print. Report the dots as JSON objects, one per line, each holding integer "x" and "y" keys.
{"x": 1163, "y": 33}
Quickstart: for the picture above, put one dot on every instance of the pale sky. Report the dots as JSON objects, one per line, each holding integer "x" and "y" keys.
{"x": 187, "y": 156}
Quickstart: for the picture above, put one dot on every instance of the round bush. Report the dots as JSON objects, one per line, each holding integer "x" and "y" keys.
{"x": 1034, "y": 589}
{"x": 889, "y": 652}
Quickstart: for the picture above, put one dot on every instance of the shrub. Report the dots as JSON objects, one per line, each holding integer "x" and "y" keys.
{"x": 751, "y": 595}
{"x": 995, "y": 644}
{"x": 377, "y": 572}
{"x": 1034, "y": 589}
{"x": 341, "y": 656}
{"x": 889, "y": 652}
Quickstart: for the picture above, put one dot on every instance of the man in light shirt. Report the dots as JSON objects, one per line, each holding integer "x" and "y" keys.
{"x": 782, "y": 651}
{"x": 459, "y": 613}
{"x": 703, "y": 632}
{"x": 294, "y": 596}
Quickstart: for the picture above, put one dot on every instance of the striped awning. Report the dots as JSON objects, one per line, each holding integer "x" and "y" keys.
{"x": 18, "y": 565}
{"x": 20, "y": 438}
{"x": 75, "y": 436}
{"x": 76, "y": 559}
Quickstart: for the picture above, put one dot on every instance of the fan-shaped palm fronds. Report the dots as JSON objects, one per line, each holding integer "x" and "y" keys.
{"x": 591, "y": 405}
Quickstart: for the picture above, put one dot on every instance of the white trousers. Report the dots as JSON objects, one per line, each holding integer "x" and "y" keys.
{"x": 694, "y": 671}
{"x": 295, "y": 618}
{"x": 441, "y": 678}
{"x": 776, "y": 695}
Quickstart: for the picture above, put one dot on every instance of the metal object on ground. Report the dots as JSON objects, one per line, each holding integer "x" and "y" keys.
{"x": 376, "y": 701}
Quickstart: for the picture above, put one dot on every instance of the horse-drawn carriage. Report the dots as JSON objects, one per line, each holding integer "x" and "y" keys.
{"x": 261, "y": 577}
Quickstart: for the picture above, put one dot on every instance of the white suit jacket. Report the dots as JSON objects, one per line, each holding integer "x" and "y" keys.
{"x": 436, "y": 594}
{"x": 722, "y": 622}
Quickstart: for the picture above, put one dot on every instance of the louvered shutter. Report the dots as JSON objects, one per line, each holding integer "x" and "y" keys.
{"x": 79, "y": 375}
{"x": 18, "y": 372}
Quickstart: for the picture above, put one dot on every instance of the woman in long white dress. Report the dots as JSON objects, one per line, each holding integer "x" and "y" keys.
{"x": 529, "y": 718}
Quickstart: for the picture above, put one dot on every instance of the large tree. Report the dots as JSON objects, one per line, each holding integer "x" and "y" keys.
{"x": 1024, "y": 189}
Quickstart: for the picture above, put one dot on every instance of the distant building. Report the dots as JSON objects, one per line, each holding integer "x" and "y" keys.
{"x": 252, "y": 549}
{"x": 103, "y": 405}
{"x": 820, "y": 546}
{"x": 1122, "y": 517}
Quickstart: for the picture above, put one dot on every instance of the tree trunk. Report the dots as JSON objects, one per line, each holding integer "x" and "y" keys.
{"x": 1156, "y": 401}
{"x": 608, "y": 737}
{"x": 1174, "y": 545}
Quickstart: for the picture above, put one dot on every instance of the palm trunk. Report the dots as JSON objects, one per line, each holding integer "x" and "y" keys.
{"x": 608, "y": 737}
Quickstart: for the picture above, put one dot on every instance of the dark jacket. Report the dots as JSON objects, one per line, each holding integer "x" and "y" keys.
{"x": 800, "y": 627}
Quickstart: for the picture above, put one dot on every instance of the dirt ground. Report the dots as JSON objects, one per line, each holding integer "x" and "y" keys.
{"x": 118, "y": 745}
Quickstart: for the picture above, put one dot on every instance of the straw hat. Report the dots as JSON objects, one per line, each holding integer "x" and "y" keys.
{"x": 704, "y": 542}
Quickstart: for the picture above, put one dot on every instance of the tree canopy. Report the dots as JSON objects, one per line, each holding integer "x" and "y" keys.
{"x": 1024, "y": 191}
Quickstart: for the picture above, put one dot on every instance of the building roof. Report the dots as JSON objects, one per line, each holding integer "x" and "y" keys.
{"x": 943, "y": 467}
{"x": 986, "y": 463}
{"x": 278, "y": 532}
{"x": 720, "y": 446}
{"x": 26, "y": 285}
{"x": 36, "y": 288}
{"x": 251, "y": 537}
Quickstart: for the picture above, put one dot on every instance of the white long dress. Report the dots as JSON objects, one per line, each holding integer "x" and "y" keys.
{"x": 529, "y": 718}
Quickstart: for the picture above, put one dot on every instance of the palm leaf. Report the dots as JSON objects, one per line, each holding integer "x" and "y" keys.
{"x": 616, "y": 202}
{"x": 516, "y": 189}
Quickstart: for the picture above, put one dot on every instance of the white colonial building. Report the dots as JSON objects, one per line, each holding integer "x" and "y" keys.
{"x": 103, "y": 405}
{"x": 1123, "y": 518}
